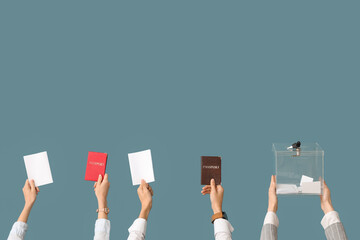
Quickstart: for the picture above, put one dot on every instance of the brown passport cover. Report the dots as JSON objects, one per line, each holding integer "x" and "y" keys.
{"x": 210, "y": 168}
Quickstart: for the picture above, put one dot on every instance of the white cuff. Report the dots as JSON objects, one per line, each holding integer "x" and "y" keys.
{"x": 222, "y": 225}
{"x": 329, "y": 219}
{"x": 271, "y": 218}
{"x": 139, "y": 225}
{"x": 19, "y": 229}
{"x": 102, "y": 225}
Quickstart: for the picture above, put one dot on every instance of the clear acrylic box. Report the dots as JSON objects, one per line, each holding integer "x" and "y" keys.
{"x": 299, "y": 171}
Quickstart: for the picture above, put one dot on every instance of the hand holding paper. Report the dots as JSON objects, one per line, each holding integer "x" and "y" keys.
{"x": 145, "y": 193}
{"x": 30, "y": 194}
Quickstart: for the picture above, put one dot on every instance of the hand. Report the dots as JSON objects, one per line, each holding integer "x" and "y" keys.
{"x": 30, "y": 193}
{"x": 216, "y": 195}
{"x": 145, "y": 193}
{"x": 101, "y": 188}
{"x": 273, "y": 201}
{"x": 325, "y": 200}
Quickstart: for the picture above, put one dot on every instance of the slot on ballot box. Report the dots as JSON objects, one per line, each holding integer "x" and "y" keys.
{"x": 299, "y": 171}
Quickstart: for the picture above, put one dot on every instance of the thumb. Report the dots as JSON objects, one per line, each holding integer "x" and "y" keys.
{"x": 99, "y": 180}
{"x": 273, "y": 181}
{"x": 212, "y": 184}
{"x": 143, "y": 183}
{"x": 27, "y": 185}
{"x": 32, "y": 184}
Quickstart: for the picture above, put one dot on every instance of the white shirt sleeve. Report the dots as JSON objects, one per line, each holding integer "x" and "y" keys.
{"x": 102, "y": 229}
{"x": 330, "y": 218}
{"x": 18, "y": 231}
{"x": 137, "y": 230}
{"x": 222, "y": 229}
{"x": 271, "y": 218}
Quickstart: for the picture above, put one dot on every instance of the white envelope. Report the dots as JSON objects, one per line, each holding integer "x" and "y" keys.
{"x": 38, "y": 168}
{"x": 311, "y": 187}
{"x": 141, "y": 167}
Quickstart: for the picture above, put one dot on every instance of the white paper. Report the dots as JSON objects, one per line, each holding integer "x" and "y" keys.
{"x": 305, "y": 179}
{"x": 311, "y": 187}
{"x": 38, "y": 168}
{"x": 286, "y": 188}
{"x": 141, "y": 167}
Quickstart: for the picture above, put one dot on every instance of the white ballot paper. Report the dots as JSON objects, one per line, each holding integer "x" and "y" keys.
{"x": 141, "y": 167}
{"x": 286, "y": 189}
{"x": 307, "y": 186}
{"x": 38, "y": 168}
{"x": 305, "y": 179}
{"x": 311, "y": 187}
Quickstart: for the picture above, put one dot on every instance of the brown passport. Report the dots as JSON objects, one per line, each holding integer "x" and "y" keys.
{"x": 210, "y": 168}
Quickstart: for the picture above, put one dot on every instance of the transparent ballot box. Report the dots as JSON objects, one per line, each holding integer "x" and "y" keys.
{"x": 299, "y": 171}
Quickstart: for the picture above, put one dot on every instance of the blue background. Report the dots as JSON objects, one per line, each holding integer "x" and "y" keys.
{"x": 184, "y": 78}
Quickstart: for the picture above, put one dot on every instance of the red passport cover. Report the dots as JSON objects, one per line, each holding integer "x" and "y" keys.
{"x": 210, "y": 168}
{"x": 96, "y": 164}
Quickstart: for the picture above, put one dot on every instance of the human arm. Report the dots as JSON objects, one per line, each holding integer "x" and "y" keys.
{"x": 271, "y": 221}
{"x": 19, "y": 228}
{"x": 102, "y": 224}
{"x": 222, "y": 227}
{"x": 137, "y": 231}
{"x": 334, "y": 229}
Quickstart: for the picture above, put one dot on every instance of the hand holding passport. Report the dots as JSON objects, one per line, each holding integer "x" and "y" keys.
{"x": 211, "y": 178}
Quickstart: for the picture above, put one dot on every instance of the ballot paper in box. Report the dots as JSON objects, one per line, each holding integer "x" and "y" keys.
{"x": 299, "y": 171}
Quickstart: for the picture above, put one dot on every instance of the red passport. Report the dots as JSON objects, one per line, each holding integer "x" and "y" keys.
{"x": 96, "y": 165}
